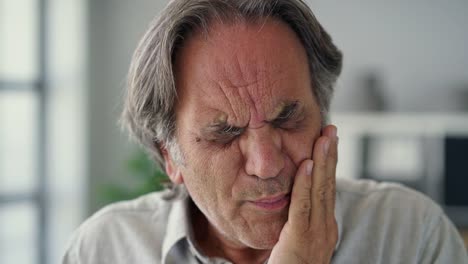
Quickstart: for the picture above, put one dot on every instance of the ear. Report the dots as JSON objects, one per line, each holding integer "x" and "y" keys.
{"x": 172, "y": 169}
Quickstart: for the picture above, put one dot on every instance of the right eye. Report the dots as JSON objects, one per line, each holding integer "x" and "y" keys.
{"x": 227, "y": 135}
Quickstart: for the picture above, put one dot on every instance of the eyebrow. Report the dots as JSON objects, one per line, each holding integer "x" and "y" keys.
{"x": 221, "y": 128}
{"x": 288, "y": 111}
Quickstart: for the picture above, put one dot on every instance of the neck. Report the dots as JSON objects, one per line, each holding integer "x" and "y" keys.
{"x": 212, "y": 243}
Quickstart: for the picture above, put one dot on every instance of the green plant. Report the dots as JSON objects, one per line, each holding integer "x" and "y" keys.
{"x": 148, "y": 179}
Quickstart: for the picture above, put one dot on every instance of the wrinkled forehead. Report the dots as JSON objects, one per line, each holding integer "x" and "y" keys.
{"x": 254, "y": 55}
{"x": 241, "y": 70}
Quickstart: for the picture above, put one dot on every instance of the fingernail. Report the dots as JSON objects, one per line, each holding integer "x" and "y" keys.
{"x": 326, "y": 147}
{"x": 309, "y": 167}
{"x": 335, "y": 132}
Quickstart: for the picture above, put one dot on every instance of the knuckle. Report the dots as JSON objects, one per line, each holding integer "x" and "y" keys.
{"x": 321, "y": 165}
{"x": 301, "y": 193}
{"x": 330, "y": 184}
{"x": 304, "y": 205}
{"x": 325, "y": 191}
{"x": 333, "y": 237}
{"x": 305, "y": 190}
{"x": 321, "y": 193}
{"x": 330, "y": 180}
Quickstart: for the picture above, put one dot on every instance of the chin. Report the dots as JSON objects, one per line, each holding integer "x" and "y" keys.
{"x": 265, "y": 236}
{"x": 264, "y": 244}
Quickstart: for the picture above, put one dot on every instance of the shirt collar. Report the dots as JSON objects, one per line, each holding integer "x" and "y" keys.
{"x": 178, "y": 224}
{"x": 179, "y": 231}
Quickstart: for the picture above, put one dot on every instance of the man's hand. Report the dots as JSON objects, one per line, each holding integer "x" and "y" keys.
{"x": 311, "y": 232}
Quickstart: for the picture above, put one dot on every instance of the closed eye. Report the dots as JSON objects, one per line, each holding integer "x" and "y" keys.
{"x": 230, "y": 130}
{"x": 288, "y": 113}
{"x": 225, "y": 134}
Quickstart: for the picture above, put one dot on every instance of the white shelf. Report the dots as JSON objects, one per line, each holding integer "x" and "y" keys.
{"x": 353, "y": 126}
{"x": 436, "y": 124}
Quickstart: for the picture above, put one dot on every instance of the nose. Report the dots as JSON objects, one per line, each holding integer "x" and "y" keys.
{"x": 262, "y": 151}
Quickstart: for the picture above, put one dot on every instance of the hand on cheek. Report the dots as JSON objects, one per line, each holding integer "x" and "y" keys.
{"x": 311, "y": 232}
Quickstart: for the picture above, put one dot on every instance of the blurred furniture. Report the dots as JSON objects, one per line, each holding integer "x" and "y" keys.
{"x": 426, "y": 151}
{"x": 464, "y": 234}
{"x": 398, "y": 158}
{"x": 455, "y": 180}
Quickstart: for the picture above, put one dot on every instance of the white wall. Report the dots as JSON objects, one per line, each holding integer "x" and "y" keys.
{"x": 115, "y": 27}
{"x": 418, "y": 46}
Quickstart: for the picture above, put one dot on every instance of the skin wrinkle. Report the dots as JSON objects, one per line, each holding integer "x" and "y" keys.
{"x": 215, "y": 175}
{"x": 239, "y": 86}
{"x": 250, "y": 96}
{"x": 255, "y": 114}
{"x": 227, "y": 97}
{"x": 222, "y": 86}
{"x": 247, "y": 96}
{"x": 226, "y": 88}
{"x": 256, "y": 93}
{"x": 229, "y": 100}
{"x": 162, "y": 38}
{"x": 270, "y": 189}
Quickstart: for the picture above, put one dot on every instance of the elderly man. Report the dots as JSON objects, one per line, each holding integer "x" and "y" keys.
{"x": 231, "y": 97}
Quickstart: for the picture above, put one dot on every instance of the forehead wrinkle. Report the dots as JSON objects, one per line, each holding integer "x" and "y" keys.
{"x": 251, "y": 70}
{"x": 250, "y": 103}
{"x": 260, "y": 99}
{"x": 256, "y": 114}
{"x": 252, "y": 83}
{"x": 253, "y": 104}
{"x": 212, "y": 99}
{"x": 236, "y": 112}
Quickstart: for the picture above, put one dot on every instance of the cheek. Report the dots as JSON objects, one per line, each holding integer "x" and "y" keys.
{"x": 214, "y": 169}
{"x": 299, "y": 146}
{"x": 210, "y": 178}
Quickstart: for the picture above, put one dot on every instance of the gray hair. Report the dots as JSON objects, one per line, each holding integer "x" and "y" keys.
{"x": 151, "y": 94}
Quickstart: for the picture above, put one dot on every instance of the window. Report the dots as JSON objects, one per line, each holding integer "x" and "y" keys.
{"x": 23, "y": 183}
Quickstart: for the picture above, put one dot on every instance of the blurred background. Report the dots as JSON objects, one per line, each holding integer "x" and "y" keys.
{"x": 401, "y": 106}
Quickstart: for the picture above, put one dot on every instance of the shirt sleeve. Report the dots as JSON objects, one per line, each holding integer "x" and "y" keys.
{"x": 68, "y": 258}
{"x": 443, "y": 244}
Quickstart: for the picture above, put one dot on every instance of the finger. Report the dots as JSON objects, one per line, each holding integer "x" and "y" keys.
{"x": 321, "y": 185}
{"x": 332, "y": 161}
{"x": 329, "y": 131}
{"x": 300, "y": 207}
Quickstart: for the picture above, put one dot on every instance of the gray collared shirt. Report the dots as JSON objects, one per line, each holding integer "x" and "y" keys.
{"x": 377, "y": 223}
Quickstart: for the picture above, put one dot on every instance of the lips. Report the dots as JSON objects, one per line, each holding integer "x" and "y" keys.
{"x": 272, "y": 203}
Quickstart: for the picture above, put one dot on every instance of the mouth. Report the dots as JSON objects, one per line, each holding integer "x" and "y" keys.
{"x": 272, "y": 203}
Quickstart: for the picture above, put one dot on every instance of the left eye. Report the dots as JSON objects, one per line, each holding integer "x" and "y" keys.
{"x": 287, "y": 124}
{"x": 280, "y": 122}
